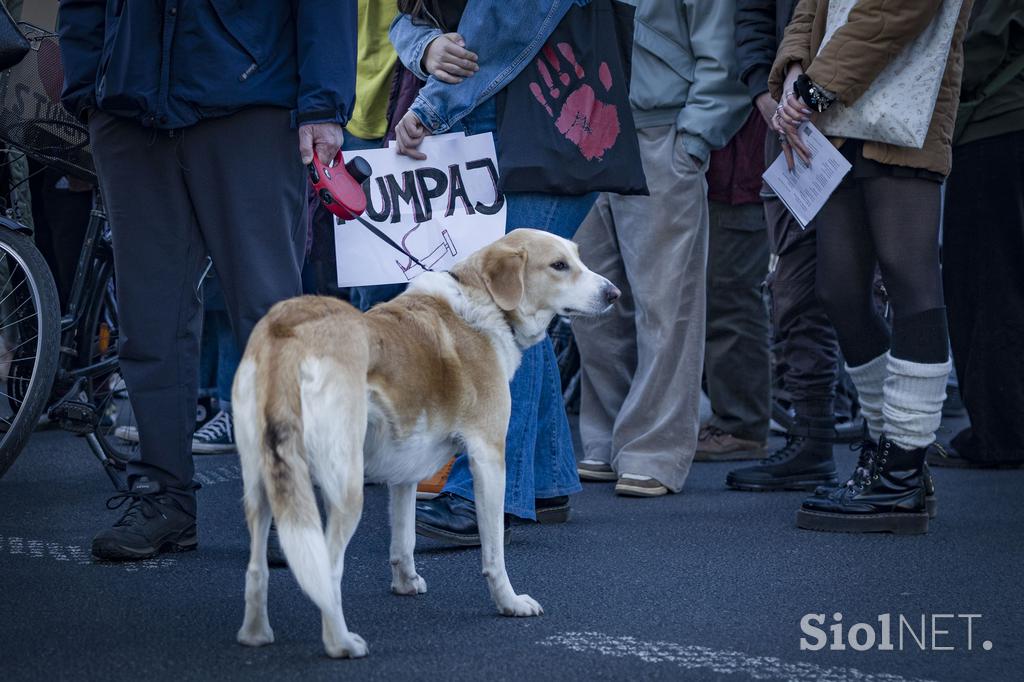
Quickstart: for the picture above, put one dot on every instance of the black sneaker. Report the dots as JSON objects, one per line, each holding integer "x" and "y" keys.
{"x": 803, "y": 463}
{"x": 217, "y": 437}
{"x": 154, "y": 523}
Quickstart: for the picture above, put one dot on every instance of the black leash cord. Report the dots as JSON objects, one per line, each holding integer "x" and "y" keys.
{"x": 388, "y": 240}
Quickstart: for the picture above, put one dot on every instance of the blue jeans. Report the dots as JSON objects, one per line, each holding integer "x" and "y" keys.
{"x": 539, "y": 459}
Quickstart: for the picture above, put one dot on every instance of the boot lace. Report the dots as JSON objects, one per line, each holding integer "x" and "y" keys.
{"x": 142, "y": 508}
{"x": 793, "y": 443}
{"x": 867, "y": 464}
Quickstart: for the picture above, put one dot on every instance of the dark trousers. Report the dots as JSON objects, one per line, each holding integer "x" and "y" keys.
{"x": 233, "y": 187}
{"x": 807, "y": 350}
{"x": 736, "y": 360}
{"x": 983, "y": 253}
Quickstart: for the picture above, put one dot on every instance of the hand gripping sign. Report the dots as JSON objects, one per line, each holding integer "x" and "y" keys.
{"x": 421, "y": 215}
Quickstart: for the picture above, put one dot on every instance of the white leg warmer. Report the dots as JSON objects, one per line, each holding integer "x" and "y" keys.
{"x": 869, "y": 379}
{"x": 914, "y": 393}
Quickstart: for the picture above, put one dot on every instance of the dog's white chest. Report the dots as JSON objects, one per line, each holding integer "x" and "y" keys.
{"x": 407, "y": 459}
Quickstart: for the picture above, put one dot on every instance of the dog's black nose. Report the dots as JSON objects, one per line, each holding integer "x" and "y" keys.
{"x": 611, "y": 294}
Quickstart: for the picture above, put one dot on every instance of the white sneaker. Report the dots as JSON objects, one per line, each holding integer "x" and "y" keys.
{"x": 633, "y": 485}
{"x": 595, "y": 470}
{"x": 216, "y": 437}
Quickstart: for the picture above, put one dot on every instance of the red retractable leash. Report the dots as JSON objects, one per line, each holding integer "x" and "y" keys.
{"x": 339, "y": 187}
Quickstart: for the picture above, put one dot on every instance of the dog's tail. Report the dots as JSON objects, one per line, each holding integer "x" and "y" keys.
{"x": 286, "y": 475}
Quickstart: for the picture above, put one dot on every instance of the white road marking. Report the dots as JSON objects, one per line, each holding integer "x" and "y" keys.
{"x": 718, "y": 661}
{"x": 56, "y": 551}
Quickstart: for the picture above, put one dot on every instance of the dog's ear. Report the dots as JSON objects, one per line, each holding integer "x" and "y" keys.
{"x": 504, "y": 271}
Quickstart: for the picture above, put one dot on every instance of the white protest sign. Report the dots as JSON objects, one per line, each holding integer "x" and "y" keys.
{"x": 440, "y": 210}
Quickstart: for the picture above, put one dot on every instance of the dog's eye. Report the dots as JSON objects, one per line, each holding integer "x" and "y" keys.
{"x": 560, "y": 266}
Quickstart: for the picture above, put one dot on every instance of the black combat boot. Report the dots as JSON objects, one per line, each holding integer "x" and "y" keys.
{"x": 803, "y": 463}
{"x": 886, "y": 496}
{"x": 156, "y": 521}
{"x": 868, "y": 448}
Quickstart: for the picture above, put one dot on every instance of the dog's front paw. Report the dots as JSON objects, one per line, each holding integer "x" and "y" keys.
{"x": 409, "y": 586}
{"x": 255, "y": 635}
{"x": 349, "y": 645}
{"x": 521, "y": 605}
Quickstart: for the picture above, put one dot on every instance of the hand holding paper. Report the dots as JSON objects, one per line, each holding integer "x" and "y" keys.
{"x": 806, "y": 188}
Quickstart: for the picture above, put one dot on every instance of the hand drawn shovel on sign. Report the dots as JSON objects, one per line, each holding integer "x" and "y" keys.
{"x": 435, "y": 256}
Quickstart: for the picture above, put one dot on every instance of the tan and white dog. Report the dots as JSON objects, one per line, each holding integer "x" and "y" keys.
{"x": 327, "y": 394}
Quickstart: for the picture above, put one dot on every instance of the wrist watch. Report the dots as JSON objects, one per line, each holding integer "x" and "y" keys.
{"x": 812, "y": 94}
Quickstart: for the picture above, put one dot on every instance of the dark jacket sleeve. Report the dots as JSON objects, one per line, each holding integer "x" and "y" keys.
{"x": 755, "y": 43}
{"x": 326, "y": 45}
{"x": 81, "y": 27}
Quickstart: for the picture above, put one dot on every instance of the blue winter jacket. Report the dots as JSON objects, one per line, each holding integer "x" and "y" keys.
{"x": 172, "y": 63}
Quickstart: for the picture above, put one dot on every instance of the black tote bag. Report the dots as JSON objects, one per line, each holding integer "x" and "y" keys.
{"x": 564, "y": 123}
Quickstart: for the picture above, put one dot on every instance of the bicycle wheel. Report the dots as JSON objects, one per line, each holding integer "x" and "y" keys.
{"x": 29, "y": 341}
{"x": 116, "y": 430}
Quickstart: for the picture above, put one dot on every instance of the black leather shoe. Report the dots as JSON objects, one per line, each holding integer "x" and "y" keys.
{"x": 803, "y": 463}
{"x": 552, "y": 509}
{"x": 867, "y": 449}
{"x": 887, "y": 496}
{"x": 155, "y": 522}
{"x": 452, "y": 519}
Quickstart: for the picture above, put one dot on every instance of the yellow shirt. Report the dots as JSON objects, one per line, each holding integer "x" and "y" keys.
{"x": 376, "y": 63}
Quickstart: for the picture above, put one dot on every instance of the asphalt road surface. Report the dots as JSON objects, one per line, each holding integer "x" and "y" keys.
{"x": 708, "y": 584}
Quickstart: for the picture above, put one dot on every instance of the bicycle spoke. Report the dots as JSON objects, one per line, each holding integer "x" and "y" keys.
{"x": 11, "y": 397}
{"x": 13, "y": 311}
{"x": 29, "y": 317}
{"x": 13, "y": 270}
{"x": 32, "y": 338}
{"x": 12, "y": 290}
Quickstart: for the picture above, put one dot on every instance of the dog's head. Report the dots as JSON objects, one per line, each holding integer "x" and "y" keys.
{"x": 532, "y": 276}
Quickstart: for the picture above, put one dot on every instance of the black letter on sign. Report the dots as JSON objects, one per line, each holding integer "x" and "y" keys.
{"x": 385, "y": 198}
{"x": 458, "y": 191}
{"x": 407, "y": 194}
{"x": 499, "y": 200}
{"x": 440, "y": 187}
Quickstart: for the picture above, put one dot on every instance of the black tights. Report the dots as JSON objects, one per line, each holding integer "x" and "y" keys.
{"x": 892, "y": 222}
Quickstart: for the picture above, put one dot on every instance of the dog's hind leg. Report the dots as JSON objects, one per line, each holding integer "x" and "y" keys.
{"x": 343, "y": 513}
{"x": 404, "y": 579}
{"x": 334, "y": 426}
{"x": 255, "y": 629}
{"x": 487, "y": 463}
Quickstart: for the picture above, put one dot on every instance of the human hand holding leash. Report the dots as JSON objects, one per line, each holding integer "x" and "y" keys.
{"x": 409, "y": 134}
{"x": 448, "y": 60}
{"x": 323, "y": 138}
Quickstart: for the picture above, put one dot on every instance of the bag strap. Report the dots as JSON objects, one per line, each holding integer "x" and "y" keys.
{"x": 994, "y": 85}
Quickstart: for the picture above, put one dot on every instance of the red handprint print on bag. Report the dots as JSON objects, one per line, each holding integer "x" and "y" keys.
{"x": 586, "y": 121}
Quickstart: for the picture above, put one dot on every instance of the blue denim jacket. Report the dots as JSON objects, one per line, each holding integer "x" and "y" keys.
{"x": 505, "y": 34}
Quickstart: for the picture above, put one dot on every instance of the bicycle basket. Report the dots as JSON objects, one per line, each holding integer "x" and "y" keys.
{"x": 32, "y": 119}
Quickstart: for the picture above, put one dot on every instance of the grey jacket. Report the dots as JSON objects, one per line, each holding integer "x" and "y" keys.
{"x": 685, "y": 71}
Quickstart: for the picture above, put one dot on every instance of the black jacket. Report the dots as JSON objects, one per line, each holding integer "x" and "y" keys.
{"x": 760, "y": 25}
